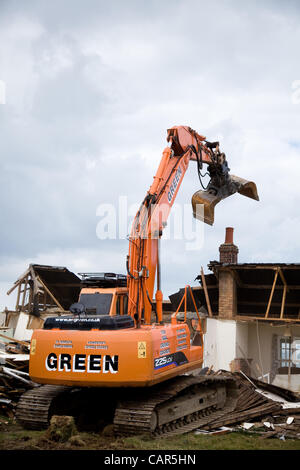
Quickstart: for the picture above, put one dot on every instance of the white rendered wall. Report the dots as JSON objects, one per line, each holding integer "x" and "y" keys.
{"x": 224, "y": 341}
{"x": 241, "y": 340}
{"x": 219, "y": 343}
{"x": 21, "y": 332}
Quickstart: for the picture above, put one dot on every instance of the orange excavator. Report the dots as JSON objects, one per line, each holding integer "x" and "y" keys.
{"x": 127, "y": 361}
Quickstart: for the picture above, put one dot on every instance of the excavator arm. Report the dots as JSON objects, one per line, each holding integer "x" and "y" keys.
{"x": 143, "y": 260}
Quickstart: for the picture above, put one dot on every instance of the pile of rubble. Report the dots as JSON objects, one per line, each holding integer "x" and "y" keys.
{"x": 14, "y": 353}
{"x": 261, "y": 408}
{"x": 14, "y": 377}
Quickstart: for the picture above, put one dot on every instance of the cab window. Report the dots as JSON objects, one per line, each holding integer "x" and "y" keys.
{"x": 122, "y": 305}
{"x": 96, "y": 304}
{"x": 118, "y": 305}
{"x": 125, "y": 305}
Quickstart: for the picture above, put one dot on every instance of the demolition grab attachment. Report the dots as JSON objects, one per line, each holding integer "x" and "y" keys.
{"x": 186, "y": 141}
{"x": 210, "y": 197}
{"x": 220, "y": 186}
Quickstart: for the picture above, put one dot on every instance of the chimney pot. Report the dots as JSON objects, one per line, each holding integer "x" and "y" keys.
{"x": 228, "y": 251}
{"x": 229, "y": 235}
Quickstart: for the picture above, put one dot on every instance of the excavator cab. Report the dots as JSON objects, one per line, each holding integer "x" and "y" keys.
{"x": 102, "y": 294}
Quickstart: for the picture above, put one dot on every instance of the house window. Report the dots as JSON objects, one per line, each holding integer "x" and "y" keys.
{"x": 296, "y": 352}
{"x": 284, "y": 351}
{"x": 289, "y": 353}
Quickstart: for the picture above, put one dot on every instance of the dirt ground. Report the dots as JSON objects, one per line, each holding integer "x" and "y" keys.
{"x": 13, "y": 437}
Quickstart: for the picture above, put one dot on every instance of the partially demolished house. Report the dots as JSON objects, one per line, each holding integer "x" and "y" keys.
{"x": 41, "y": 291}
{"x": 253, "y": 319}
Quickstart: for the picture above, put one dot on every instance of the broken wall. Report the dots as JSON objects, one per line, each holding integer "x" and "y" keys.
{"x": 219, "y": 343}
{"x": 264, "y": 349}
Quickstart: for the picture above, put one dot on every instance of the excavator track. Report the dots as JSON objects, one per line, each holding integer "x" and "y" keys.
{"x": 33, "y": 409}
{"x": 176, "y": 407}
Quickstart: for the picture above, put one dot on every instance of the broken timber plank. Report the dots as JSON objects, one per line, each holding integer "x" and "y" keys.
{"x": 206, "y": 293}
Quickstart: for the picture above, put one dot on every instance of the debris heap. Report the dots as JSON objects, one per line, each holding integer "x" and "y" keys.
{"x": 260, "y": 410}
{"x": 14, "y": 377}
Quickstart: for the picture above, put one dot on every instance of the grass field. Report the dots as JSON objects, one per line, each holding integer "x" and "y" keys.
{"x": 13, "y": 437}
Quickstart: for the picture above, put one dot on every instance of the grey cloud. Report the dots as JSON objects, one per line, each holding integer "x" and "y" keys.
{"x": 93, "y": 86}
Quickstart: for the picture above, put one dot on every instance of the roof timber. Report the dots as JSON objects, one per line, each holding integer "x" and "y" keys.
{"x": 271, "y": 293}
{"x": 269, "y": 319}
{"x": 269, "y": 286}
{"x": 258, "y": 265}
{"x": 41, "y": 287}
{"x": 276, "y": 304}
{"x": 273, "y": 277}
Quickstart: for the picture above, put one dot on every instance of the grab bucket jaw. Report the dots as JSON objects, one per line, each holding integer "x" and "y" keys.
{"x": 204, "y": 202}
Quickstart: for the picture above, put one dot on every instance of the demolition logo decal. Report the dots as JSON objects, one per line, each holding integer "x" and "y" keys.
{"x": 177, "y": 358}
{"x": 174, "y": 184}
{"x": 93, "y": 363}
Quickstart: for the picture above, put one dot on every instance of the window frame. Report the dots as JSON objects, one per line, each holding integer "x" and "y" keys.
{"x": 292, "y": 347}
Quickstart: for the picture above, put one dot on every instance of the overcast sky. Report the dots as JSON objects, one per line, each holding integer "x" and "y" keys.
{"x": 91, "y": 88}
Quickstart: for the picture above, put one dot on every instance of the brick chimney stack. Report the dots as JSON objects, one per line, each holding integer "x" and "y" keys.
{"x": 228, "y": 251}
